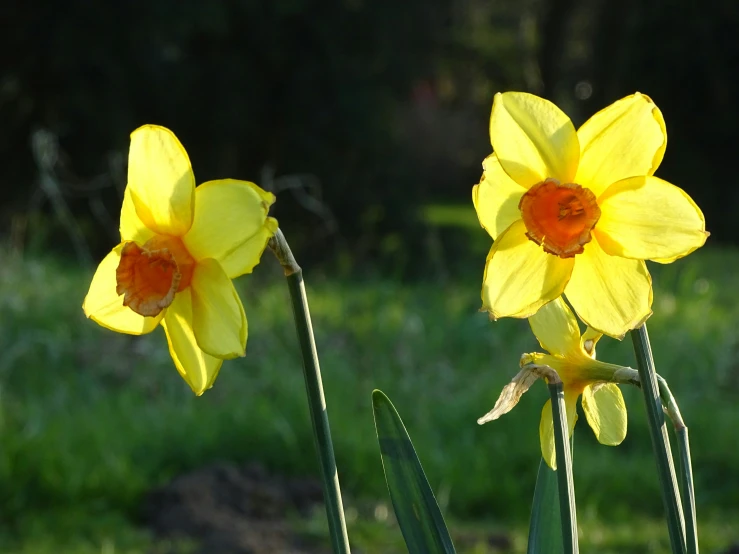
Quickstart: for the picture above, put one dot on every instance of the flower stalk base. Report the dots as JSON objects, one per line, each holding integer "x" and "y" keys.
{"x": 567, "y": 508}
{"x": 660, "y": 439}
{"x": 314, "y": 390}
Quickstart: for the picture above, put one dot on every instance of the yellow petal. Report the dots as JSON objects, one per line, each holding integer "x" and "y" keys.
{"x": 589, "y": 340}
{"x": 626, "y": 139}
{"x": 646, "y": 218}
{"x": 496, "y": 198}
{"x": 160, "y": 180}
{"x": 556, "y": 328}
{"x": 605, "y": 411}
{"x": 533, "y": 139}
{"x": 131, "y": 227}
{"x": 546, "y": 426}
{"x": 104, "y": 306}
{"x": 227, "y": 214}
{"x": 198, "y": 369}
{"x": 611, "y": 294}
{"x": 245, "y": 258}
{"x": 218, "y": 318}
{"x": 520, "y": 277}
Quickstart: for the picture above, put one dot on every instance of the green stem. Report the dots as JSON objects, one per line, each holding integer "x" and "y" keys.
{"x": 686, "y": 467}
{"x": 660, "y": 439}
{"x": 686, "y": 479}
{"x": 564, "y": 467}
{"x": 314, "y": 389}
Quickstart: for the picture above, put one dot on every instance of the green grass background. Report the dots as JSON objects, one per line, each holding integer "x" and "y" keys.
{"x": 90, "y": 420}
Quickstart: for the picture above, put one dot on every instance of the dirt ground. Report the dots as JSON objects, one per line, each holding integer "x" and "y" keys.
{"x": 230, "y": 509}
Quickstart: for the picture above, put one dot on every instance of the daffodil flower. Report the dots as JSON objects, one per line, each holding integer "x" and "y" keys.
{"x": 579, "y": 212}
{"x": 573, "y": 358}
{"x": 180, "y": 248}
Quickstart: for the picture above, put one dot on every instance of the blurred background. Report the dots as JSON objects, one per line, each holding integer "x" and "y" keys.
{"x": 368, "y": 120}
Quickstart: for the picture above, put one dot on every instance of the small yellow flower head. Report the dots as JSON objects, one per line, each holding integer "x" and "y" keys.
{"x": 578, "y": 212}
{"x": 180, "y": 248}
{"x": 573, "y": 357}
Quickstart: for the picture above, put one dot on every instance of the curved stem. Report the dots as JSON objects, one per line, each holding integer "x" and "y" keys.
{"x": 686, "y": 480}
{"x": 686, "y": 466}
{"x": 660, "y": 439}
{"x": 628, "y": 376}
{"x": 314, "y": 390}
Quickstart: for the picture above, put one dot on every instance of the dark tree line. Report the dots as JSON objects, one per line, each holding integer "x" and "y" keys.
{"x": 356, "y": 111}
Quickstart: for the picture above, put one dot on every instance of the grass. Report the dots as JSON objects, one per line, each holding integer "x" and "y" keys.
{"x": 91, "y": 420}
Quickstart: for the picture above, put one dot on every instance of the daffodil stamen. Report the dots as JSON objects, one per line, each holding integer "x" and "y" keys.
{"x": 559, "y": 217}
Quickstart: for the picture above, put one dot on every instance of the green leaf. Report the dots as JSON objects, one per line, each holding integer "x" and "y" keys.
{"x": 545, "y": 528}
{"x": 415, "y": 507}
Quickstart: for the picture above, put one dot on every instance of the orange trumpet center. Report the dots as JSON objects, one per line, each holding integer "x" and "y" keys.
{"x": 148, "y": 276}
{"x": 559, "y": 217}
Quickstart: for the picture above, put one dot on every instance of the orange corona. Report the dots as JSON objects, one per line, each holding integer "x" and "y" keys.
{"x": 149, "y": 276}
{"x": 559, "y": 217}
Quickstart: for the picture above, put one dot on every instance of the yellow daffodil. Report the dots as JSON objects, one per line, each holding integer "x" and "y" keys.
{"x": 573, "y": 358}
{"x": 180, "y": 247}
{"x": 579, "y": 212}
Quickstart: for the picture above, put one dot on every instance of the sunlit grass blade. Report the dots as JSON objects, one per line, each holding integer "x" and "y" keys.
{"x": 545, "y": 527}
{"x": 314, "y": 391}
{"x": 660, "y": 439}
{"x": 414, "y": 503}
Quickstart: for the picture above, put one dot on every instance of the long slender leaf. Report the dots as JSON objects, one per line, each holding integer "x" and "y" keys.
{"x": 545, "y": 528}
{"x": 415, "y": 506}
